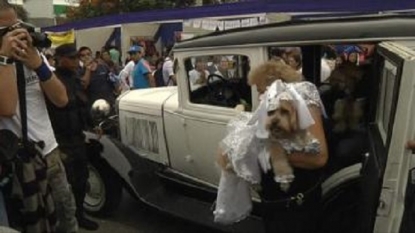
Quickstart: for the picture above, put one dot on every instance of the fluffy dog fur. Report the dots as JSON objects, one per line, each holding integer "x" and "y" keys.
{"x": 263, "y": 76}
{"x": 348, "y": 111}
{"x": 282, "y": 124}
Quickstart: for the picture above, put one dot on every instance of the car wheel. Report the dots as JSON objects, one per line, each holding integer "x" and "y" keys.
{"x": 104, "y": 189}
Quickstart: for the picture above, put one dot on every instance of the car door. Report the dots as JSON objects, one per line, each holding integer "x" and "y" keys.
{"x": 195, "y": 130}
{"x": 385, "y": 170}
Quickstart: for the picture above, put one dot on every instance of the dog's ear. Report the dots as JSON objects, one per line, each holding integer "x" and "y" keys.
{"x": 288, "y": 107}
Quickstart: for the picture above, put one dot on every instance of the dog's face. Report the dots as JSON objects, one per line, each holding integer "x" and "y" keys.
{"x": 283, "y": 121}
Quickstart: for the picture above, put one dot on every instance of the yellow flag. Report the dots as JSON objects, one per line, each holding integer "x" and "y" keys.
{"x": 59, "y": 38}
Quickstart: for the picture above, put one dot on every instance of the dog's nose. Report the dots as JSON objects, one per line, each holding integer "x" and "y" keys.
{"x": 275, "y": 124}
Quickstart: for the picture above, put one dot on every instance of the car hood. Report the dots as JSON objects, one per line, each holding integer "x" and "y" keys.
{"x": 147, "y": 101}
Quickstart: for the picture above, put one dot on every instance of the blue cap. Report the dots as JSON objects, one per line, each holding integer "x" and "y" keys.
{"x": 135, "y": 49}
{"x": 352, "y": 49}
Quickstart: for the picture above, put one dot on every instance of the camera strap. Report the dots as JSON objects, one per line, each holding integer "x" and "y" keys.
{"x": 21, "y": 87}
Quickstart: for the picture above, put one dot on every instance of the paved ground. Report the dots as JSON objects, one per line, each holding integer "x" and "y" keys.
{"x": 134, "y": 217}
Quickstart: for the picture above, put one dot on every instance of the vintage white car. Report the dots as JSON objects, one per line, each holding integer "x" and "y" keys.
{"x": 164, "y": 151}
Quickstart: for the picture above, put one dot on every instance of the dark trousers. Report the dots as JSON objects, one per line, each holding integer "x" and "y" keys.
{"x": 290, "y": 221}
{"x": 288, "y": 217}
{"x": 76, "y": 165}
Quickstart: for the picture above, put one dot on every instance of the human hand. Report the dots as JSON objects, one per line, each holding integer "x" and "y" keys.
{"x": 24, "y": 50}
{"x": 410, "y": 145}
{"x": 91, "y": 65}
{"x": 10, "y": 42}
{"x": 223, "y": 161}
{"x": 240, "y": 108}
{"x": 98, "y": 132}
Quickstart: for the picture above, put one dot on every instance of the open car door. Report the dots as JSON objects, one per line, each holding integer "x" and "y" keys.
{"x": 395, "y": 121}
{"x": 369, "y": 196}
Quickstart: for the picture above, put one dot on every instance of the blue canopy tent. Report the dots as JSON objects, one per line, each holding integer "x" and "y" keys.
{"x": 302, "y": 7}
{"x": 115, "y": 38}
{"x": 166, "y": 33}
{"x": 114, "y": 30}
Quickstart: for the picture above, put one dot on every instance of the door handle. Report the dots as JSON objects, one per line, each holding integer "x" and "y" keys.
{"x": 365, "y": 162}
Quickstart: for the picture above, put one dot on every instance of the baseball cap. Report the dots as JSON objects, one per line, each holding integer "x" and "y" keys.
{"x": 66, "y": 50}
{"x": 135, "y": 49}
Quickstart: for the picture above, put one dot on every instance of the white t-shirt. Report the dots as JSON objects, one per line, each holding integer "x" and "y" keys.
{"x": 127, "y": 73}
{"x": 38, "y": 122}
{"x": 194, "y": 75}
{"x": 168, "y": 71}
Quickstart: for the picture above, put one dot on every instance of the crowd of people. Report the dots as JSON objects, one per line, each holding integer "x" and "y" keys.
{"x": 138, "y": 71}
{"x": 43, "y": 116}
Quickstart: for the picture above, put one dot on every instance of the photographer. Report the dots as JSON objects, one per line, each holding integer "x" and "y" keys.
{"x": 18, "y": 45}
{"x": 68, "y": 124}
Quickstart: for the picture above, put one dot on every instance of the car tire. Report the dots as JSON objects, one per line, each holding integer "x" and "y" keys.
{"x": 104, "y": 190}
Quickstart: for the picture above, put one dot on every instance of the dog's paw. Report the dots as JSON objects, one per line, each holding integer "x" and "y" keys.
{"x": 284, "y": 187}
{"x": 284, "y": 178}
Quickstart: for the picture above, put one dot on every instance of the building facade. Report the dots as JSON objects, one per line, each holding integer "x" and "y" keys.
{"x": 44, "y": 13}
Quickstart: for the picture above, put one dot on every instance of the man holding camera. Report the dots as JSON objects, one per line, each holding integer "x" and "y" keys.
{"x": 68, "y": 123}
{"x": 17, "y": 45}
{"x": 95, "y": 78}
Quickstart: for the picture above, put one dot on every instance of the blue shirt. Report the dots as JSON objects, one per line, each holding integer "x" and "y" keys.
{"x": 140, "y": 72}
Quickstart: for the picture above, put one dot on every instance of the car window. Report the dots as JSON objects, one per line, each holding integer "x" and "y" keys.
{"x": 387, "y": 86}
{"x": 219, "y": 80}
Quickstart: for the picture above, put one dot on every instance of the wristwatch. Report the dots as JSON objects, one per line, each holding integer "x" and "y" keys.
{"x": 5, "y": 60}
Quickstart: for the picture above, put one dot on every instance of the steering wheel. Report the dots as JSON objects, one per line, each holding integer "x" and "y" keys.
{"x": 221, "y": 92}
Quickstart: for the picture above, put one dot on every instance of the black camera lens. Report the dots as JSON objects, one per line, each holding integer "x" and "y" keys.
{"x": 39, "y": 39}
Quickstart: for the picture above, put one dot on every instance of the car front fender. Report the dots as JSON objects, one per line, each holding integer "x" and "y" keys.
{"x": 110, "y": 151}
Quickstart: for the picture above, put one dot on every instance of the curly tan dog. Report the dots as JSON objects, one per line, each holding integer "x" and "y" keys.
{"x": 263, "y": 76}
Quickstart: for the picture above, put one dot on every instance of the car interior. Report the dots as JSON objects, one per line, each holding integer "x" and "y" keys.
{"x": 347, "y": 76}
{"x": 224, "y": 83}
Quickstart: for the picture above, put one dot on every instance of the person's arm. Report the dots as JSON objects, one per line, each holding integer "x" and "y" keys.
{"x": 11, "y": 42}
{"x": 8, "y": 90}
{"x": 126, "y": 72}
{"x": 55, "y": 91}
{"x": 170, "y": 70}
{"x": 147, "y": 73}
{"x": 151, "y": 79}
{"x": 50, "y": 84}
{"x": 312, "y": 161}
{"x": 86, "y": 77}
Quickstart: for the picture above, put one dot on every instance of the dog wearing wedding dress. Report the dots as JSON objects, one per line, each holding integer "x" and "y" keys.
{"x": 284, "y": 131}
{"x": 262, "y": 140}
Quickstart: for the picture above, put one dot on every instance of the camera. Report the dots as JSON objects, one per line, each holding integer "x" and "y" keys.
{"x": 39, "y": 39}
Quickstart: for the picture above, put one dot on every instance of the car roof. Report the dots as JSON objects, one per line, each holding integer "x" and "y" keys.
{"x": 361, "y": 28}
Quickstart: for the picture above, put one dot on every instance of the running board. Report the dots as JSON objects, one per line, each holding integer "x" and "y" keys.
{"x": 149, "y": 179}
{"x": 174, "y": 202}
